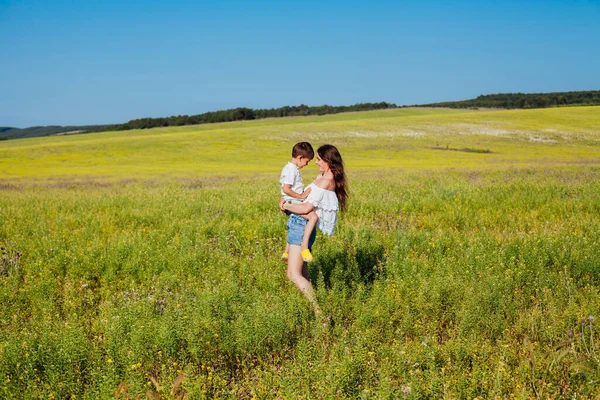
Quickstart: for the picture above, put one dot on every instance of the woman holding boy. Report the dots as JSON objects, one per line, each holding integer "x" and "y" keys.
{"x": 328, "y": 194}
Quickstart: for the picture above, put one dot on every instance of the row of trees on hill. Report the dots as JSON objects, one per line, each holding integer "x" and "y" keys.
{"x": 37, "y": 131}
{"x": 525, "y": 100}
{"x": 242, "y": 113}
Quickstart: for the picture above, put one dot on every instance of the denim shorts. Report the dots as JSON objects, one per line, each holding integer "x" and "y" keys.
{"x": 295, "y": 228}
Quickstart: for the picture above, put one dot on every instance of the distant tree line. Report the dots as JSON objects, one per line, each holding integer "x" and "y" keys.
{"x": 243, "y": 114}
{"x": 50, "y": 130}
{"x": 525, "y": 100}
{"x": 502, "y": 100}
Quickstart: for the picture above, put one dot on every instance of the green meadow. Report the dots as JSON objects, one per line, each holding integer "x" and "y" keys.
{"x": 145, "y": 264}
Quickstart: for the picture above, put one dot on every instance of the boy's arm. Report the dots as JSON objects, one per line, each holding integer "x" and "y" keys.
{"x": 287, "y": 189}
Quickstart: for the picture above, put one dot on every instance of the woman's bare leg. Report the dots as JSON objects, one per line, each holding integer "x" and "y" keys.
{"x": 297, "y": 272}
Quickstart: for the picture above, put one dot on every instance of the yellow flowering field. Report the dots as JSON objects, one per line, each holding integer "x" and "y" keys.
{"x": 145, "y": 264}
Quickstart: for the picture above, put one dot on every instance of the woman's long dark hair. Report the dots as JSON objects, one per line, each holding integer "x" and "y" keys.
{"x": 333, "y": 158}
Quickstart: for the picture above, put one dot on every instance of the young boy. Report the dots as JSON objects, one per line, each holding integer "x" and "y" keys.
{"x": 292, "y": 190}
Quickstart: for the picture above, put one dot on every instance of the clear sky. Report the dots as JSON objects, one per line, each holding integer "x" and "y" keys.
{"x": 109, "y": 61}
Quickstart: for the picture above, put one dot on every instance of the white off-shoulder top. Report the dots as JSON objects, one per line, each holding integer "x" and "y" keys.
{"x": 326, "y": 207}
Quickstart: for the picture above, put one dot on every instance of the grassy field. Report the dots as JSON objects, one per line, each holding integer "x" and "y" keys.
{"x": 145, "y": 264}
{"x": 394, "y": 139}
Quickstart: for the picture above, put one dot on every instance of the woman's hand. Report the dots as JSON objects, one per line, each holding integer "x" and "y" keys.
{"x": 281, "y": 204}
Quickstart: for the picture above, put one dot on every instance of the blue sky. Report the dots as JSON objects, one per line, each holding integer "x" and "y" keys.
{"x": 95, "y": 62}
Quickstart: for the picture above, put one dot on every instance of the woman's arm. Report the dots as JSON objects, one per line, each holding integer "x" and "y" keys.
{"x": 299, "y": 209}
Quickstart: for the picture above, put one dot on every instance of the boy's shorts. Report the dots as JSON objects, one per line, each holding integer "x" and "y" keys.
{"x": 295, "y": 228}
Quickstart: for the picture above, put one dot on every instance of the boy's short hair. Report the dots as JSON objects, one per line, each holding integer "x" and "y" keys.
{"x": 303, "y": 149}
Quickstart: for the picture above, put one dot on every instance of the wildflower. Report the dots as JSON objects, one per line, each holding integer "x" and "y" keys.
{"x": 591, "y": 319}
{"x": 570, "y": 333}
{"x": 406, "y": 391}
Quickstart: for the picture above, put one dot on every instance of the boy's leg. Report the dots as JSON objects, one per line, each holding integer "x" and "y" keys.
{"x": 286, "y": 253}
{"x": 312, "y": 220}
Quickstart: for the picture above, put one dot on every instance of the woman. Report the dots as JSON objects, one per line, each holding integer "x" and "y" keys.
{"x": 328, "y": 195}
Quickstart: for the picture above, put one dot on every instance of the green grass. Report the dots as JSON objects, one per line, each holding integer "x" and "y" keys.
{"x": 147, "y": 262}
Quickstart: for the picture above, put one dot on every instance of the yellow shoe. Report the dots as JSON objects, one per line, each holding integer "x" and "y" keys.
{"x": 284, "y": 256}
{"x": 306, "y": 256}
